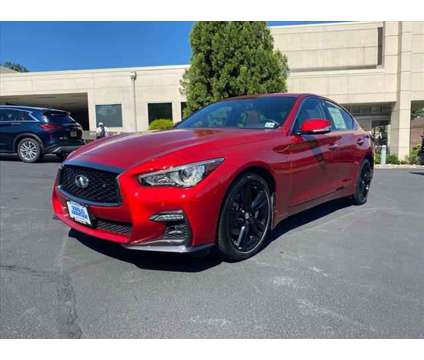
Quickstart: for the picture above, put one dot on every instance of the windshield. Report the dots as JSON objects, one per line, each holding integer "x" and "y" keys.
{"x": 266, "y": 112}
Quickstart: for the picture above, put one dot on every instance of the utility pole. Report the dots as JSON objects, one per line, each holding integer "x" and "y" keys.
{"x": 133, "y": 77}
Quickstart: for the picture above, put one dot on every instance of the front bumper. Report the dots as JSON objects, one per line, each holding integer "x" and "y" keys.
{"x": 138, "y": 211}
{"x": 181, "y": 249}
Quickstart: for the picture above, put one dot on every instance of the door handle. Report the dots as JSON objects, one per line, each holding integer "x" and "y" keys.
{"x": 360, "y": 141}
{"x": 333, "y": 147}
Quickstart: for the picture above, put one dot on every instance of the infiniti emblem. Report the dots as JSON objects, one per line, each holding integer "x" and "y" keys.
{"x": 81, "y": 181}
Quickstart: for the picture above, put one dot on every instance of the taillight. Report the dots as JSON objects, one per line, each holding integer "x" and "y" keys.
{"x": 51, "y": 127}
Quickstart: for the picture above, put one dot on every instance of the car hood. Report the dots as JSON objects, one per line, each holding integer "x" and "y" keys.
{"x": 128, "y": 150}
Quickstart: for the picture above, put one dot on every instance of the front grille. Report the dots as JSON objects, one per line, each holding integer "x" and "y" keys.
{"x": 102, "y": 185}
{"x": 115, "y": 227}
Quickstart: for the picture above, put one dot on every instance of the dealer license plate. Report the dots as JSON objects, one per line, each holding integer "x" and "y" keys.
{"x": 79, "y": 213}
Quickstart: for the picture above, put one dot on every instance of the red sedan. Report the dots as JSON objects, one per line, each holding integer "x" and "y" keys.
{"x": 224, "y": 177}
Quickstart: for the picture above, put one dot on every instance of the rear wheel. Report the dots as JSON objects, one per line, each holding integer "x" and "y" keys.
{"x": 360, "y": 196}
{"x": 245, "y": 218}
{"x": 29, "y": 150}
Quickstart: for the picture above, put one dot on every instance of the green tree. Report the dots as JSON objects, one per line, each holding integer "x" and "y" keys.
{"x": 232, "y": 58}
{"x": 15, "y": 66}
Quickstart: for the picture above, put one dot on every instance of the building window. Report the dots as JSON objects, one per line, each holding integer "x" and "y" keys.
{"x": 183, "y": 106}
{"x": 380, "y": 46}
{"x": 109, "y": 115}
{"x": 159, "y": 111}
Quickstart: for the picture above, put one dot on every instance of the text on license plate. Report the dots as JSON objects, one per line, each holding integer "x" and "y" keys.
{"x": 78, "y": 212}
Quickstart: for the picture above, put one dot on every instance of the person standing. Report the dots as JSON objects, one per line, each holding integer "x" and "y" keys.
{"x": 101, "y": 131}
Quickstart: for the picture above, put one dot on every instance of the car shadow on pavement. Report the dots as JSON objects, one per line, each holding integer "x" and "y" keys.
{"x": 416, "y": 173}
{"x": 195, "y": 262}
{"x": 306, "y": 217}
{"x": 198, "y": 261}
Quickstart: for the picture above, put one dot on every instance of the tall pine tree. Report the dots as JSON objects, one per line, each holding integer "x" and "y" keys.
{"x": 231, "y": 59}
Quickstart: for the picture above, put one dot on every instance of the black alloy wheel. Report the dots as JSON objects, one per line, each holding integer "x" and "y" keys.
{"x": 363, "y": 184}
{"x": 245, "y": 218}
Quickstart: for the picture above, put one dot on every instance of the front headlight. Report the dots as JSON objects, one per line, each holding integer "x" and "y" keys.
{"x": 182, "y": 176}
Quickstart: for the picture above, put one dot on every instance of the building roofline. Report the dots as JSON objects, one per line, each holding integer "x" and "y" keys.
{"x": 98, "y": 70}
{"x": 323, "y": 24}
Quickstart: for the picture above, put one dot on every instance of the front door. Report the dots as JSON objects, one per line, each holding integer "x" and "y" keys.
{"x": 12, "y": 123}
{"x": 5, "y": 142}
{"x": 311, "y": 157}
{"x": 345, "y": 152}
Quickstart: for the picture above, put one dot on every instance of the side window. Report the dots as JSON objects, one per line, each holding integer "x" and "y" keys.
{"x": 341, "y": 120}
{"x": 22, "y": 116}
{"x": 9, "y": 115}
{"x": 349, "y": 120}
{"x": 311, "y": 108}
{"x": 3, "y": 116}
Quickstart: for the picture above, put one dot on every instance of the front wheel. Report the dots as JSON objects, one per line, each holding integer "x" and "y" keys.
{"x": 29, "y": 150}
{"x": 360, "y": 196}
{"x": 62, "y": 156}
{"x": 245, "y": 218}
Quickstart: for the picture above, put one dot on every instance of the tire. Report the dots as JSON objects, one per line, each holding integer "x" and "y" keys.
{"x": 363, "y": 183}
{"x": 62, "y": 156}
{"x": 29, "y": 150}
{"x": 245, "y": 218}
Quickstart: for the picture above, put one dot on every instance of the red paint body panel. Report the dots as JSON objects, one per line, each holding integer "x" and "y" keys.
{"x": 306, "y": 171}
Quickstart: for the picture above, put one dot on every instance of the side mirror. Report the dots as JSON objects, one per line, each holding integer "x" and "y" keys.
{"x": 315, "y": 126}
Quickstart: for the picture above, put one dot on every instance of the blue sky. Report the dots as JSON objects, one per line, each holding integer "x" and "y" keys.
{"x": 44, "y": 46}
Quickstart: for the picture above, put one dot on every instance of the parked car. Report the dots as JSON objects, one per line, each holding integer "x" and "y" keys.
{"x": 32, "y": 132}
{"x": 224, "y": 177}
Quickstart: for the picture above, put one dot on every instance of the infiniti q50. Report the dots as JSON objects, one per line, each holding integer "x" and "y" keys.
{"x": 224, "y": 177}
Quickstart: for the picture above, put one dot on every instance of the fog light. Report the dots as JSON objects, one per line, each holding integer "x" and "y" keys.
{"x": 177, "y": 229}
{"x": 177, "y": 232}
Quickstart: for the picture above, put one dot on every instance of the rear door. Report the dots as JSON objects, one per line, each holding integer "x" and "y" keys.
{"x": 347, "y": 139}
{"x": 311, "y": 157}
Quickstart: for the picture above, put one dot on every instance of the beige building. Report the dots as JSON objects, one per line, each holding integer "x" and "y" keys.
{"x": 376, "y": 69}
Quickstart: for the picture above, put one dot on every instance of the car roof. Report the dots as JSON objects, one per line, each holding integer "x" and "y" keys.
{"x": 29, "y": 108}
{"x": 295, "y": 95}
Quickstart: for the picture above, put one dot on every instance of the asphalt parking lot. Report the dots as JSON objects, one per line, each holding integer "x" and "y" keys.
{"x": 334, "y": 271}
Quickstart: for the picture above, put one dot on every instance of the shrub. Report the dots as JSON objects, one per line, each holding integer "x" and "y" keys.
{"x": 392, "y": 159}
{"x": 413, "y": 157}
{"x": 377, "y": 158}
{"x": 161, "y": 124}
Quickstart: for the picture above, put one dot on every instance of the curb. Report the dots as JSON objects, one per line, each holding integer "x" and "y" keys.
{"x": 403, "y": 166}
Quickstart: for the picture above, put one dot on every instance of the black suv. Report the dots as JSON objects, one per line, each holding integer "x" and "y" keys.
{"x": 31, "y": 132}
